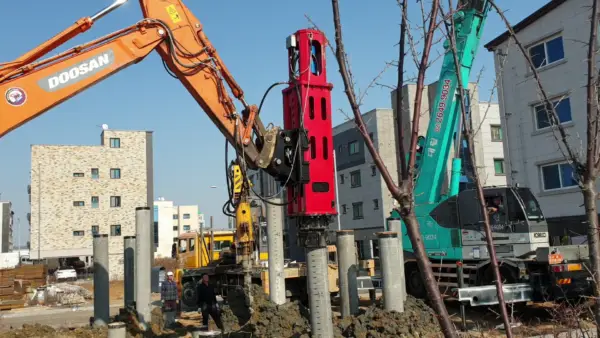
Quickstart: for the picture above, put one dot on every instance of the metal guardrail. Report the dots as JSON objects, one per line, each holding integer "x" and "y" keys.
{"x": 487, "y": 294}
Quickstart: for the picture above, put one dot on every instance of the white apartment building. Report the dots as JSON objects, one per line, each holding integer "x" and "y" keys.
{"x": 553, "y": 37}
{"x": 6, "y": 227}
{"x": 170, "y": 222}
{"x": 185, "y": 219}
{"x": 485, "y": 118}
{"x": 77, "y": 191}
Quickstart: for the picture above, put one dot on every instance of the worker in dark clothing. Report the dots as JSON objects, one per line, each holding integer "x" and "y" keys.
{"x": 207, "y": 303}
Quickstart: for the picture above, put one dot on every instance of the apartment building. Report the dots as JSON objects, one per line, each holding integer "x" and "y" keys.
{"x": 77, "y": 191}
{"x": 185, "y": 219}
{"x": 170, "y": 222}
{"x": 6, "y": 227}
{"x": 487, "y": 136}
{"x": 364, "y": 201}
{"x": 552, "y": 36}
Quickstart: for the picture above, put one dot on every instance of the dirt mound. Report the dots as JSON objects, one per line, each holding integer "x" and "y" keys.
{"x": 44, "y": 331}
{"x": 292, "y": 320}
{"x": 268, "y": 320}
{"x": 417, "y": 320}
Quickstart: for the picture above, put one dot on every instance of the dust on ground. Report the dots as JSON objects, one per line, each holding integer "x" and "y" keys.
{"x": 44, "y": 331}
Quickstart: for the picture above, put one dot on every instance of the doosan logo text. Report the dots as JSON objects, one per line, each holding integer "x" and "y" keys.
{"x": 77, "y": 72}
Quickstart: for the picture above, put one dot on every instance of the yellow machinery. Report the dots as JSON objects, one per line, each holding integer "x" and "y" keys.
{"x": 232, "y": 247}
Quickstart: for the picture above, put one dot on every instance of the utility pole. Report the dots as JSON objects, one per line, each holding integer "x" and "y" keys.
{"x": 337, "y": 196}
{"x": 19, "y": 238}
{"x": 39, "y": 212}
{"x": 212, "y": 239}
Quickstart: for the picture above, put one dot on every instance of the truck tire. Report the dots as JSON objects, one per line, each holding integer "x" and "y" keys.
{"x": 414, "y": 283}
{"x": 188, "y": 294}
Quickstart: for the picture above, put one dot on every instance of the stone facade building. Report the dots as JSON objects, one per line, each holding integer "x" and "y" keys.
{"x": 77, "y": 191}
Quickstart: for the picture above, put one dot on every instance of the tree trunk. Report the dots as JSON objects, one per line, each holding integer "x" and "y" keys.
{"x": 589, "y": 201}
{"x": 431, "y": 285}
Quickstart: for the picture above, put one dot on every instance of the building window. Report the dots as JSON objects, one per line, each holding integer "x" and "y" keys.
{"x": 562, "y": 106}
{"x": 557, "y": 176}
{"x": 357, "y": 210}
{"x": 115, "y": 142}
{"x": 344, "y": 209}
{"x": 175, "y": 228}
{"x": 499, "y": 166}
{"x": 78, "y": 203}
{"x": 353, "y": 147}
{"x": 78, "y": 175}
{"x": 547, "y": 52}
{"x": 175, "y": 216}
{"x": 373, "y": 170}
{"x": 95, "y": 201}
{"x": 341, "y": 178}
{"x": 115, "y": 230}
{"x": 375, "y": 204}
{"x": 355, "y": 179}
{"x": 95, "y": 173}
{"x": 186, "y": 228}
{"x": 496, "y": 133}
{"x": 78, "y": 233}
{"x": 186, "y": 216}
{"x": 95, "y": 229}
{"x": 115, "y": 201}
{"x": 115, "y": 173}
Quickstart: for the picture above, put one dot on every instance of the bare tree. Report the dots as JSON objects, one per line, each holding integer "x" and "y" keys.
{"x": 468, "y": 134}
{"x": 586, "y": 170}
{"x": 403, "y": 191}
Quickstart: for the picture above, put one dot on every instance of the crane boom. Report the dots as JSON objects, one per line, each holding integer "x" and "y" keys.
{"x": 469, "y": 22}
{"x": 32, "y": 87}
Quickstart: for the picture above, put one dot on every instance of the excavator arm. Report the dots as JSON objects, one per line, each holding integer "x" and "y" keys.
{"x": 32, "y": 87}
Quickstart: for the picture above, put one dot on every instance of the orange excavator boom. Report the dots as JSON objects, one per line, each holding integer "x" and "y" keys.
{"x": 31, "y": 87}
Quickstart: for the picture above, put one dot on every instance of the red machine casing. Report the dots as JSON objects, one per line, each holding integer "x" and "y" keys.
{"x": 308, "y": 80}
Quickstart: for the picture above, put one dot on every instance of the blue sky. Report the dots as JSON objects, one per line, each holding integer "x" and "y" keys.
{"x": 249, "y": 36}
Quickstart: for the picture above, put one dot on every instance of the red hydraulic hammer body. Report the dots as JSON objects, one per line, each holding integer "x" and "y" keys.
{"x": 307, "y": 108}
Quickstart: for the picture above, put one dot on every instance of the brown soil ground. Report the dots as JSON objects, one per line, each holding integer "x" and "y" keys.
{"x": 292, "y": 320}
{"x": 42, "y": 331}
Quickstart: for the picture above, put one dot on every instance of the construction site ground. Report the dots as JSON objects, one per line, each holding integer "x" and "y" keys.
{"x": 292, "y": 319}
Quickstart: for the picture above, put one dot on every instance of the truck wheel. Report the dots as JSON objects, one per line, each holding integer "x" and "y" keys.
{"x": 189, "y": 297}
{"x": 414, "y": 282}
